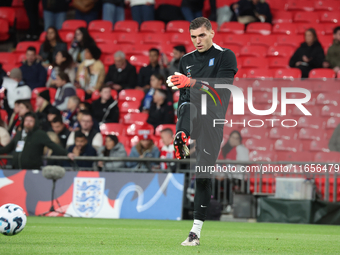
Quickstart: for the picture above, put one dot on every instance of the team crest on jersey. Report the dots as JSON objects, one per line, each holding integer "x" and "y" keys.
{"x": 88, "y": 196}
{"x": 189, "y": 73}
{"x": 211, "y": 62}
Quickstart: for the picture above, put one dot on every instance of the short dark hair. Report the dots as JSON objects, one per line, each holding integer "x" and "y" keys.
{"x": 163, "y": 92}
{"x": 85, "y": 112}
{"x": 105, "y": 86}
{"x": 168, "y": 130}
{"x": 79, "y": 134}
{"x": 64, "y": 77}
{"x": 180, "y": 48}
{"x": 155, "y": 50}
{"x": 31, "y": 48}
{"x": 198, "y": 22}
{"x": 335, "y": 30}
{"x": 57, "y": 119}
{"x": 95, "y": 51}
{"x": 26, "y": 103}
{"x": 113, "y": 138}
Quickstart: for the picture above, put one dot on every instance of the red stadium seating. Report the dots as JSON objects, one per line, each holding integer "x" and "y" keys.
{"x": 311, "y": 134}
{"x": 253, "y": 62}
{"x": 232, "y": 27}
{"x": 231, "y": 39}
{"x": 129, "y": 26}
{"x": 253, "y": 51}
{"x": 4, "y": 115}
{"x": 284, "y": 28}
{"x": 282, "y": 133}
{"x": 282, "y": 17}
{"x": 81, "y": 94}
{"x": 276, "y": 5}
{"x": 8, "y": 57}
{"x": 4, "y": 30}
{"x": 72, "y": 25}
{"x": 319, "y": 28}
{"x": 282, "y": 63}
{"x": 110, "y": 48}
{"x": 262, "y": 156}
{"x": 280, "y": 51}
{"x": 108, "y": 38}
{"x": 306, "y": 17}
{"x": 176, "y": 96}
{"x": 8, "y": 13}
{"x": 133, "y": 129}
{"x": 164, "y": 126}
{"x": 139, "y": 61}
{"x": 262, "y": 97}
{"x": 290, "y": 40}
{"x": 287, "y": 145}
{"x": 268, "y": 40}
{"x": 260, "y": 73}
{"x": 330, "y": 17}
{"x": 328, "y": 98}
{"x": 310, "y": 122}
{"x": 128, "y": 106}
{"x": 259, "y": 145}
{"x": 139, "y": 49}
{"x": 301, "y": 5}
{"x": 302, "y": 156}
{"x": 129, "y": 38}
{"x": 100, "y": 26}
{"x": 178, "y": 38}
{"x": 155, "y": 39}
{"x": 112, "y": 129}
{"x": 288, "y": 73}
{"x": 321, "y": 73}
{"x": 329, "y": 157}
{"x": 319, "y": 146}
{"x": 326, "y": 5}
{"x": 131, "y": 95}
{"x": 332, "y": 123}
{"x": 180, "y": 26}
{"x": 22, "y": 46}
{"x": 135, "y": 118}
{"x": 259, "y": 28}
{"x": 153, "y": 26}
{"x": 256, "y": 133}
{"x": 22, "y": 21}
{"x": 326, "y": 40}
{"x": 66, "y": 36}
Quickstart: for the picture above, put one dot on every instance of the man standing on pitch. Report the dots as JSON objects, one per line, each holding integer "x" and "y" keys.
{"x": 200, "y": 71}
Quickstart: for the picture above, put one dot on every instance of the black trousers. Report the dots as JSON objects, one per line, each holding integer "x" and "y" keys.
{"x": 32, "y": 9}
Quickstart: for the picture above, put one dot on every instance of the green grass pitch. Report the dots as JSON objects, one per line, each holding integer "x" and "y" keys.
{"x": 105, "y": 236}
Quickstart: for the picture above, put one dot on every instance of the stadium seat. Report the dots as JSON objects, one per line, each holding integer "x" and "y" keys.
{"x": 259, "y": 28}
{"x": 133, "y": 129}
{"x": 176, "y": 96}
{"x": 332, "y": 123}
{"x": 8, "y": 13}
{"x": 231, "y": 39}
{"x": 253, "y": 62}
{"x": 319, "y": 146}
{"x": 262, "y": 156}
{"x": 4, "y": 30}
{"x": 262, "y": 97}
{"x": 22, "y": 46}
{"x": 301, "y": 5}
{"x": 156, "y": 39}
{"x": 129, "y": 26}
{"x": 232, "y": 27}
{"x": 314, "y": 110}
{"x": 179, "y": 38}
{"x": 259, "y": 144}
{"x": 282, "y": 17}
{"x": 72, "y": 25}
{"x": 321, "y": 73}
{"x": 326, "y": 5}
{"x": 288, "y": 73}
{"x": 302, "y": 156}
{"x": 329, "y": 157}
{"x": 81, "y": 94}
{"x": 310, "y": 122}
{"x": 8, "y": 57}
{"x": 129, "y": 38}
{"x": 311, "y": 134}
{"x": 284, "y": 28}
{"x": 319, "y": 28}
{"x": 280, "y": 51}
{"x": 290, "y": 40}
{"x": 4, "y": 115}
{"x": 181, "y": 26}
{"x": 306, "y": 17}
{"x": 275, "y": 63}
{"x": 8, "y": 67}
{"x": 260, "y": 73}
{"x": 66, "y": 36}
{"x": 330, "y": 17}
{"x": 96, "y": 95}
{"x": 276, "y": 5}
{"x": 128, "y": 106}
{"x": 139, "y": 49}
{"x": 131, "y": 95}
{"x": 135, "y": 118}
{"x": 164, "y": 126}
{"x": 326, "y": 40}
{"x": 108, "y": 38}
{"x": 109, "y": 48}
{"x": 153, "y": 26}
{"x": 327, "y": 98}
{"x": 256, "y": 133}
{"x": 282, "y": 133}
{"x": 139, "y": 61}
{"x": 287, "y": 145}
{"x": 112, "y": 129}
{"x": 253, "y": 51}
{"x": 100, "y": 26}
{"x": 268, "y": 40}
{"x": 22, "y": 21}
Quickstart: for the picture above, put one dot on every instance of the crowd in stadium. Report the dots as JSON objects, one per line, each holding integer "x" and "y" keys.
{"x": 98, "y": 87}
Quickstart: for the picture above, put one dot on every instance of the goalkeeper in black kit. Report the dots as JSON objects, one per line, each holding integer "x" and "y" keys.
{"x": 200, "y": 70}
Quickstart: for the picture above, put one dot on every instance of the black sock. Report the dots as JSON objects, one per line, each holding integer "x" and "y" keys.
{"x": 202, "y": 198}
{"x": 186, "y": 114}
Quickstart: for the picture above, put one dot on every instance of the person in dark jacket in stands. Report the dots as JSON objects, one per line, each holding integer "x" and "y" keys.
{"x": 64, "y": 92}
{"x": 113, "y": 10}
{"x": 54, "y": 13}
{"x": 43, "y": 108}
{"x": 122, "y": 75}
{"x": 33, "y": 73}
{"x": 82, "y": 148}
{"x": 247, "y": 11}
{"x": 192, "y": 9}
{"x": 161, "y": 110}
{"x": 60, "y": 129}
{"x": 105, "y": 109}
{"x": 28, "y": 145}
{"x": 309, "y": 55}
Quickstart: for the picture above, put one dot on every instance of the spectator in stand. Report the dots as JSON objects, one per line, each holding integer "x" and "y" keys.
{"x": 192, "y": 9}
{"x": 60, "y": 129}
{"x": 112, "y": 148}
{"x": 142, "y": 10}
{"x": 161, "y": 110}
{"x": 48, "y": 152}
{"x": 93, "y": 135}
{"x": 4, "y": 135}
{"x": 54, "y": 13}
{"x": 145, "y": 148}
{"x": 52, "y": 113}
{"x": 7, "y": 3}
{"x": 23, "y": 107}
{"x": 16, "y": 89}
{"x": 70, "y": 117}
{"x": 167, "y": 150}
{"x": 87, "y": 10}
{"x": 28, "y": 145}
{"x": 33, "y": 73}
{"x": 91, "y": 72}
{"x": 113, "y": 10}
{"x": 224, "y": 14}
{"x": 63, "y": 63}
{"x": 81, "y": 41}
{"x": 64, "y": 92}
{"x": 247, "y": 11}
{"x": 32, "y": 10}
{"x": 146, "y": 72}
{"x": 333, "y": 53}
{"x": 121, "y": 74}
{"x": 178, "y": 51}
{"x": 51, "y": 46}
{"x": 105, "y": 109}
{"x": 43, "y": 108}
{"x": 309, "y": 55}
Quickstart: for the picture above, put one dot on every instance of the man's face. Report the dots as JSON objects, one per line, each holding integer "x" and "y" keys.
{"x": 105, "y": 94}
{"x": 22, "y": 110}
{"x": 57, "y": 127}
{"x": 153, "y": 57}
{"x": 202, "y": 38}
{"x": 80, "y": 142}
{"x": 177, "y": 54}
{"x": 120, "y": 62}
{"x": 158, "y": 97}
{"x": 166, "y": 138}
{"x": 30, "y": 56}
{"x": 29, "y": 124}
{"x": 86, "y": 123}
{"x": 337, "y": 36}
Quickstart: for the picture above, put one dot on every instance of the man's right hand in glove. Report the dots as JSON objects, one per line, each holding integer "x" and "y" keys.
{"x": 180, "y": 81}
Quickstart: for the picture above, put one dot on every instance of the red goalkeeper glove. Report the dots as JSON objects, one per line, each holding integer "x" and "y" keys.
{"x": 180, "y": 81}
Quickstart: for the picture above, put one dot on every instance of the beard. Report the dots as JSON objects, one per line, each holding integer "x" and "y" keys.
{"x": 28, "y": 129}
